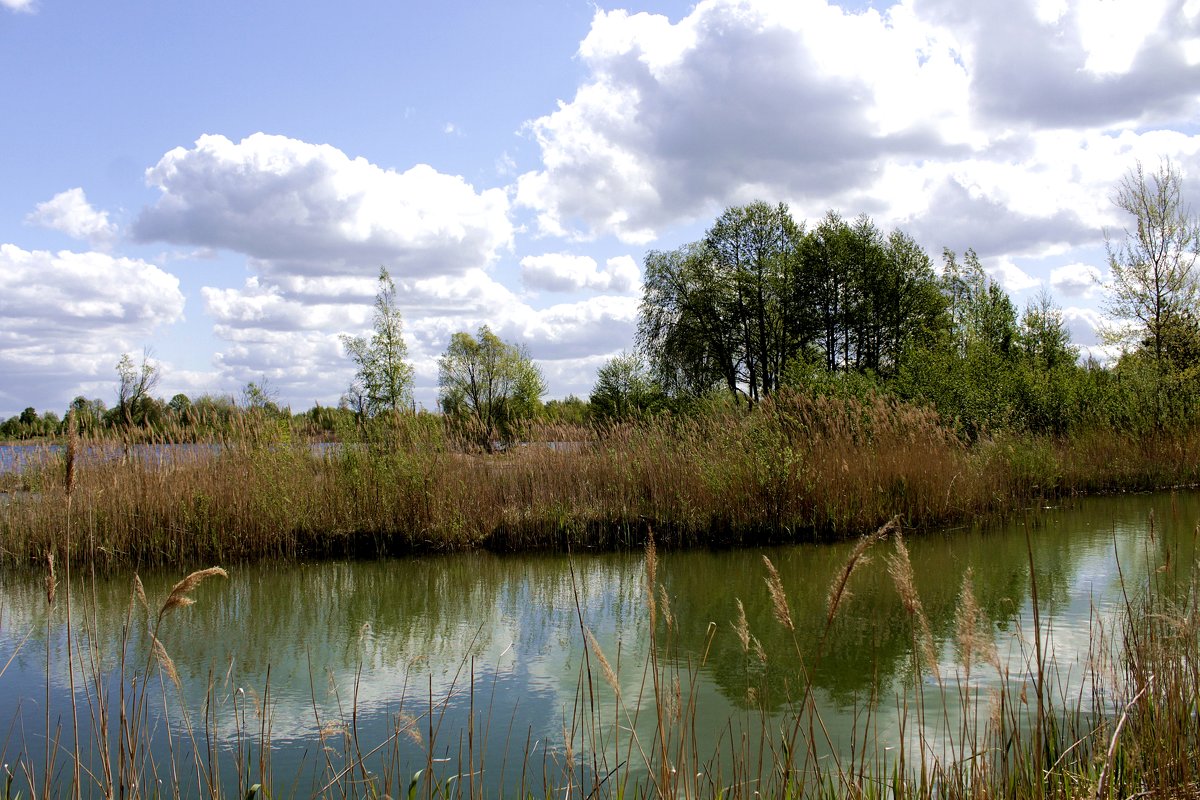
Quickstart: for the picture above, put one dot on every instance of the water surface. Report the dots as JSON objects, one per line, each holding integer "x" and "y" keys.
{"x": 425, "y": 646}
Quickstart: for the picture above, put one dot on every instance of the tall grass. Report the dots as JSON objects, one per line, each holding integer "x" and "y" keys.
{"x": 799, "y": 467}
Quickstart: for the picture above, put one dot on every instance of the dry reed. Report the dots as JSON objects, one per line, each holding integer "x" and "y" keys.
{"x": 779, "y": 602}
{"x": 799, "y": 467}
{"x": 900, "y": 568}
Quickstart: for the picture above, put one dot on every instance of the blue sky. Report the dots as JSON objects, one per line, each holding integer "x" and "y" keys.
{"x": 220, "y": 182}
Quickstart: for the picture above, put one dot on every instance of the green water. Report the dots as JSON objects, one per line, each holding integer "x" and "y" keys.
{"x": 428, "y": 645}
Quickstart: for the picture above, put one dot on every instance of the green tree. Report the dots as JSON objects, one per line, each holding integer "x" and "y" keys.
{"x": 1043, "y": 338}
{"x": 624, "y": 390}
{"x": 89, "y": 414}
{"x": 180, "y": 405}
{"x": 759, "y": 299}
{"x": 384, "y": 377}
{"x": 1049, "y": 375}
{"x": 213, "y": 412}
{"x": 1152, "y": 266}
{"x": 490, "y": 388}
{"x": 970, "y": 370}
{"x": 570, "y": 410}
{"x": 686, "y": 326}
{"x": 755, "y": 252}
{"x": 52, "y": 424}
{"x": 135, "y": 382}
{"x": 260, "y": 396}
{"x": 981, "y": 312}
{"x": 1154, "y": 285}
{"x": 874, "y": 296}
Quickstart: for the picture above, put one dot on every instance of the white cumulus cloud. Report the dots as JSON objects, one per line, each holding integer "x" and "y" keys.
{"x": 563, "y": 272}
{"x": 1076, "y": 280}
{"x": 69, "y": 316}
{"x": 308, "y": 209}
{"x": 1012, "y": 277}
{"x": 739, "y": 99}
{"x": 71, "y": 213}
{"x": 994, "y": 124}
{"x": 315, "y": 226}
{"x": 1085, "y": 325}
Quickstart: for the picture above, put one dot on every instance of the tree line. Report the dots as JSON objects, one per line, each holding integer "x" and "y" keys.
{"x": 489, "y": 391}
{"x": 762, "y": 303}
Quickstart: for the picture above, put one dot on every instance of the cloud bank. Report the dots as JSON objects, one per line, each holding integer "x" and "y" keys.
{"x": 69, "y": 316}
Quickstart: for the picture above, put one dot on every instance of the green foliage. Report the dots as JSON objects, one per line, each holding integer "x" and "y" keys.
{"x": 489, "y": 389}
{"x": 384, "y": 377}
{"x": 625, "y": 391}
{"x": 135, "y": 382}
{"x": 1153, "y": 280}
{"x": 29, "y": 424}
{"x": 1155, "y": 287}
{"x": 571, "y": 410}
{"x": 180, "y": 404}
{"x": 759, "y": 294}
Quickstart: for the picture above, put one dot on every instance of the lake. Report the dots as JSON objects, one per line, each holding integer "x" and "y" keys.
{"x": 429, "y": 657}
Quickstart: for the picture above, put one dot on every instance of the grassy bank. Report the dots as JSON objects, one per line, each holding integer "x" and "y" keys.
{"x": 798, "y": 467}
{"x": 1132, "y": 735}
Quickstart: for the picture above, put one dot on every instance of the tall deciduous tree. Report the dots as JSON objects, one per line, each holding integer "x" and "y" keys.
{"x": 1152, "y": 266}
{"x": 135, "y": 382}
{"x": 686, "y": 325}
{"x": 734, "y": 310}
{"x": 384, "y": 378}
{"x": 755, "y": 252}
{"x": 89, "y": 414}
{"x": 1155, "y": 286}
{"x": 490, "y": 387}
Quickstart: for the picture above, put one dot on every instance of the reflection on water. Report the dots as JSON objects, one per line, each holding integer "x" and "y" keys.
{"x": 417, "y": 644}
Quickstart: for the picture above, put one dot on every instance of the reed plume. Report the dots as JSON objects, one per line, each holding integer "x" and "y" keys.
{"x": 665, "y": 605}
{"x": 180, "y": 592}
{"x": 974, "y": 644}
{"x": 900, "y": 568}
{"x": 742, "y": 627}
{"x": 651, "y": 578}
{"x": 51, "y": 579}
{"x": 839, "y": 590}
{"x": 139, "y": 592}
{"x": 165, "y": 661}
{"x": 407, "y": 724}
{"x": 72, "y": 452}
{"x": 606, "y": 669}
{"x": 779, "y": 601}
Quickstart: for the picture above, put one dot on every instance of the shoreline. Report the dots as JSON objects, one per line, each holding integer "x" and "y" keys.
{"x": 809, "y": 469}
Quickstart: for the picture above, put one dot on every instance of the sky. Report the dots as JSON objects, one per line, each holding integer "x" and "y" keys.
{"x": 217, "y": 184}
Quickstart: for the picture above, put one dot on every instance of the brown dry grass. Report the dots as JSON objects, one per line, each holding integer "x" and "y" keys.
{"x": 799, "y": 467}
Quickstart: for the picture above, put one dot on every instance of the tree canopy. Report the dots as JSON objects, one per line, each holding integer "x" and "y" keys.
{"x": 134, "y": 386}
{"x": 383, "y": 380}
{"x": 489, "y": 387}
{"x": 759, "y": 293}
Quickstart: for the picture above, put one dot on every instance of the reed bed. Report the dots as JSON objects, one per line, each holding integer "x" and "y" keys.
{"x": 1133, "y": 735}
{"x": 799, "y": 467}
